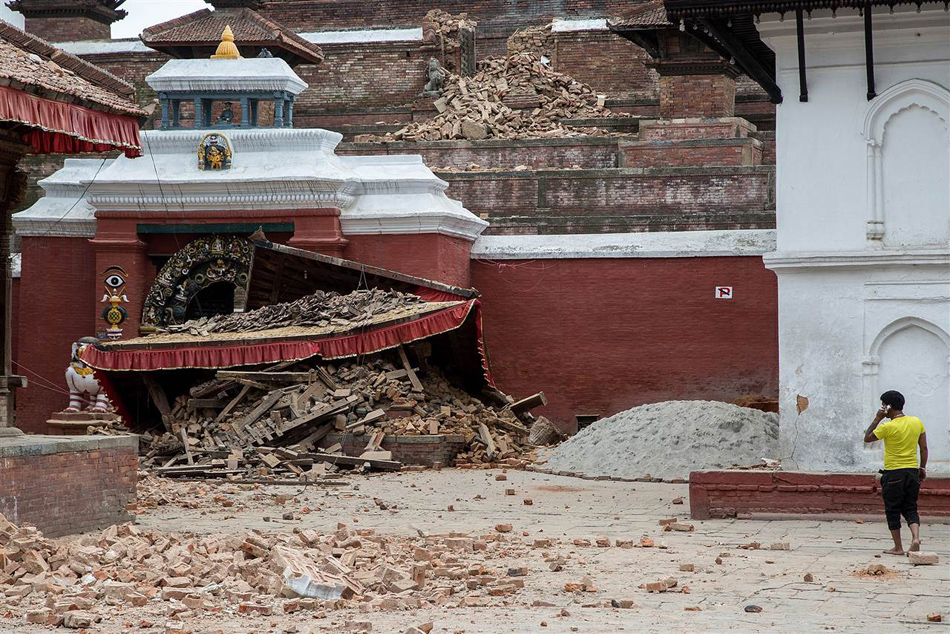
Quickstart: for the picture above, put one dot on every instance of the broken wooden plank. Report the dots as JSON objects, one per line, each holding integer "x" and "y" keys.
{"x": 184, "y": 442}
{"x": 373, "y": 417}
{"x": 416, "y": 383}
{"x": 280, "y": 377}
{"x": 160, "y": 400}
{"x": 234, "y": 403}
{"x": 485, "y": 435}
{"x": 317, "y": 390}
{"x": 352, "y": 461}
{"x": 269, "y": 401}
{"x": 525, "y": 404}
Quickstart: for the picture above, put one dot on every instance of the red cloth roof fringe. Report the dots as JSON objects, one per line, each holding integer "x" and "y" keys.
{"x": 64, "y": 128}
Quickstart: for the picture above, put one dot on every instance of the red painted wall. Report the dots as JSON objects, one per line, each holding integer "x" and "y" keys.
{"x": 602, "y": 335}
{"x": 57, "y": 305}
{"x": 432, "y": 256}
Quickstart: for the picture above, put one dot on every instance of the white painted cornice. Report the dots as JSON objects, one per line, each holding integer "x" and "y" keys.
{"x": 660, "y": 244}
{"x": 272, "y": 169}
{"x": 850, "y": 259}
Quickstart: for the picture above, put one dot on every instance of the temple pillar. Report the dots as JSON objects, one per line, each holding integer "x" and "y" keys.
{"x": 694, "y": 80}
{"x": 11, "y": 191}
{"x": 319, "y": 230}
{"x": 117, "y": 245}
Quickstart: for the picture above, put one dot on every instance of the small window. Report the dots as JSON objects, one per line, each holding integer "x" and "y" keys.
{"x": 584, "y": 420}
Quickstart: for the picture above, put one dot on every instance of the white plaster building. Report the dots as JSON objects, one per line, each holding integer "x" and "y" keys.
{"x": 863, "y": 239}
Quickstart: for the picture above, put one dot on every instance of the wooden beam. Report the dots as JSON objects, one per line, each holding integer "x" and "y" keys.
{"x": 269, "y": 401}
{"x": 280, "y": 377}
{"x": 160, "y": 400}
{"x": 529, "y": 403}
{"x": 485, "y": 435}
{"x": 746, "y": 60}
{"x": 802, "y": 82}
{"x": 869, "y": 50}
{"x": 416, "y": 383}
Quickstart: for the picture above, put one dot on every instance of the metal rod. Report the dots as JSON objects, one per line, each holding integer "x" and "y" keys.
{"x": 869, "y": 50}
{"x": 802, "y": 81}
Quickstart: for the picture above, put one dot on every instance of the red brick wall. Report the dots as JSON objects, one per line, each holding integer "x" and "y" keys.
{"x": 599, "y": 201}
{"x": 741, "y": 493}
{"x": 586, "y": 153}
{"x": 610, "y": 64}
{"x": 82, "y": 488}
{"x": 428, "y": 255}
{"x": 697, "y": 96}
{"x": 57, "y": 304}
{"x": 68, "y": 29}
{"x": 363, "y": 76}
{"x": 705, "y": 152}
{"x": 599, "y": 336}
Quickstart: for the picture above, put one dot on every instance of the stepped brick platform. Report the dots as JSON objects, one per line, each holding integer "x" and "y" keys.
{"x": 67, "y": 485}
{"x": 747, "y": 494}
{"x": 76, "y": 423}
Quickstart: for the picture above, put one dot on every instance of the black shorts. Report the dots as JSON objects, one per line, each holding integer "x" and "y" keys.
{"x": 900, "y": 488}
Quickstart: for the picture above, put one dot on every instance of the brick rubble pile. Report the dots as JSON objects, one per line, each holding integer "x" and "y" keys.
{"x": 79, "y": 582}
{"x": 446, "y": 27}
{"x": 513, "y": 97}
{"x": 320, "y": 309}
{"x": 538, "y": 40}
{"x": 271, "y": 424}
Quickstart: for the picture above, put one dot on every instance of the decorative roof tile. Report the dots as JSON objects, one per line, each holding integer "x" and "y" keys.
{"x": 202, "y": 30}
{"x": 647, "y": 15}
{"x": 34, "y": 65}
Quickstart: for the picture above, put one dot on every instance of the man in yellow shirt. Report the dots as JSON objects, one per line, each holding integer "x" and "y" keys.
{"x": 901, "y": 476}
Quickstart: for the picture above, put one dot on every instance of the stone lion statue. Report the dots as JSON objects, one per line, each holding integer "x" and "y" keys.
{"x": 81, "y": 380}
{"x": 435, "y": 77}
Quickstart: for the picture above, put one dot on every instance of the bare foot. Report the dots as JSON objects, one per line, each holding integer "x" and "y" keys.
{"x": 915, "y": 546}
{"x": 894, "y": 551}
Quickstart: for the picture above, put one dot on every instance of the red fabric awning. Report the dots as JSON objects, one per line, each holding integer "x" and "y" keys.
{"x": 65, "y": 128}
{"x": 238, "y": 354}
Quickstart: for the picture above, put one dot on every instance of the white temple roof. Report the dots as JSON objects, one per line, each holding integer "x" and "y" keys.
{"x": 201, "y": 76}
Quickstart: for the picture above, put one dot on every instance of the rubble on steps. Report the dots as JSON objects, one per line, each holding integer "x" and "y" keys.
{"x": 269, "y": 422}
{"x": 124, "y": 568}
{"x": 318, "y": 309}
{"x": 518, "y": 96}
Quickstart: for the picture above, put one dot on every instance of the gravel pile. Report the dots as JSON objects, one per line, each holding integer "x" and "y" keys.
{"x": 668, "y": 440}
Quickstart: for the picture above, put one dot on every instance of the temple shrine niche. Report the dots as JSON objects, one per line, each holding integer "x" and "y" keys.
{"x": 223, "y": 83}
{"x": 204, "y": 278}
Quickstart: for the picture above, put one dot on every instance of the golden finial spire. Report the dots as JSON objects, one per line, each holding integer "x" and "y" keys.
{"x": 227, "y": 49}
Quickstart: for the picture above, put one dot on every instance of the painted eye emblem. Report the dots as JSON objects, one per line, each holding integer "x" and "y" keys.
{"x": 115, "y": 281}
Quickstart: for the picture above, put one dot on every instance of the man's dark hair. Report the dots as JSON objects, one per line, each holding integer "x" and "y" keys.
{"x": 893, "y": 398}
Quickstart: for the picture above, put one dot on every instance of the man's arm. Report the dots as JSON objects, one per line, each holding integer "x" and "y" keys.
{"x": 922, "y": 443}
{"x": 869, "y": 432}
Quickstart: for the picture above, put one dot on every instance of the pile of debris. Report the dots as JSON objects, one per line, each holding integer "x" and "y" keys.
{"x": 319, "y": 309}
{"x": 68, "y": 582}
{"x": 534, "y": 39}
{"x": 518, "y": 96}
{"x": 446, "y": 27}
{"x": 269, "y": 422}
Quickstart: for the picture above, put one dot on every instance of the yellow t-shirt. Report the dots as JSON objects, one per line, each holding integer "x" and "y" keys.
{"x": 900, "y": 437}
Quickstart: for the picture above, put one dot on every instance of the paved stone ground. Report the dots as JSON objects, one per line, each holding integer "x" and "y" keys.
{"x": 839, "y": 598}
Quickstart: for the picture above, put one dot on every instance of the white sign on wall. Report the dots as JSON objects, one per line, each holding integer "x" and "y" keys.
{"x": 723, "y": 292}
